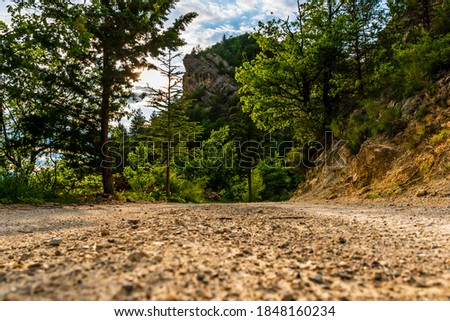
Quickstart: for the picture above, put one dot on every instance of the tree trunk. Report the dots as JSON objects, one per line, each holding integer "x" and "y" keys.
{"x": 107, "y": 163}
{"x": 168, "y": 173}
{"x": 250, "y": 186}
{"x": 169, "y": 121}
{"x": 425, "y": 13}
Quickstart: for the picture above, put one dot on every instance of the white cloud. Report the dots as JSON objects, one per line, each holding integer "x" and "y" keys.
{"x": 4, "y": 16}
{"x": 248, "y": 5}
{"x": 231, "y": 17}
{"x": 280, "y": 8}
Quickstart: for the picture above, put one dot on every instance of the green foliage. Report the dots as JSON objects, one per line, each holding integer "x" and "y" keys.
{"x": 216, "y": 163}
{"x": 440, "y": 137}
{"x": 373, "y": 195}
{"x": 148, "y": 181}
{"x": 50, "y": 183}
{"x": 279, "y": 181}
{"x": 414, "y": 66}
{"x": 70, "y": 67}
{"x": 19, "y": 189}
{"x": 187, "y": 190}
{"x": 413, "y": 50}
{"x": 170, "y": 125}
{"x": 235, "y": 50}
{"x": 137, "y": 124}
{"x": 149, "y": 184}
{"x": 374, "y": 119}
{"x": 304, "y": 73}
{"x": 237, "y": 190}
{"x": 42, "y": 107}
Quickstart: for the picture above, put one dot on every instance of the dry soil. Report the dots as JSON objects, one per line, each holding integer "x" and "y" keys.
{"x": 283, "y": 251}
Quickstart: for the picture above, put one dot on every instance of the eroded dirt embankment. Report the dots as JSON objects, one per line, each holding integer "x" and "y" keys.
{"x": 289, "y": 251}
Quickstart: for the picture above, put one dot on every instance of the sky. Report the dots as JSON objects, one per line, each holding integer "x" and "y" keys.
{"x": 215, "y": 19}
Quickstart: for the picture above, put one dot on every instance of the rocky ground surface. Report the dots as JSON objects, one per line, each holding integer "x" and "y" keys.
{"x": 285, "y": 251}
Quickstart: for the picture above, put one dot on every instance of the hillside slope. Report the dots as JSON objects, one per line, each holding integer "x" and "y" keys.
{"x": 416, "y": 162}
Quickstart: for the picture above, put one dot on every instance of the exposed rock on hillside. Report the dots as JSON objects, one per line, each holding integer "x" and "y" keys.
{"x": 416, "y": 162}
{"x": 209, "y": 74}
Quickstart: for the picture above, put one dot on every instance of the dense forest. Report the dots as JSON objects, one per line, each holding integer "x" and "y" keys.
{"x": 333, "y": 70}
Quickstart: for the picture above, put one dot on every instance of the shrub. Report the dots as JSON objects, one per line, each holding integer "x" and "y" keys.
{"x": 19, "y": 188}
{"x": 235, "y": 191}
{"x": 277, "y": 182}
{"x": 375, "y": 118}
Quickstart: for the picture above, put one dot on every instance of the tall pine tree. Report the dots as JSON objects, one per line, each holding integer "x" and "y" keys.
{"x": 170, "y": 126}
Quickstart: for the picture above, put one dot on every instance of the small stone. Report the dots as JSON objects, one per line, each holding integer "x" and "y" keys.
{"x": 289, "y": 297}
{"x": 378, "y": 277}
{"x": 35, "y": 266}
{"x": 25, "y": 257}
{"x": 137, "y": 256}
{"x": 283, "y": 246}
{"x": 343, "y": 264}
{"x": 317, "y": 279}
{"x": 104, "y": 232}
{"x": 128, "y": 288}
{"x": 25, "y": 231}
{"x": 56, "y": 241}
{"x": 156, "y": 259}
{"x": 375, "y": 264}
{"x": 102, "y": 246}
{"x": 342, "y": 240}
{"x": 134, "y": 222}
{"x": 200, "y": 277}
{"x": 421, "y": 193}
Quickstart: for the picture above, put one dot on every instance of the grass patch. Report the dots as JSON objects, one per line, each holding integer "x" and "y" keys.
{"x": 443, "y": 135}
{"x": 373, "y": 195}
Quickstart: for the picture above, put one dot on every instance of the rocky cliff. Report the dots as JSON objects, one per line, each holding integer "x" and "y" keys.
{"x": 206, "y": 76}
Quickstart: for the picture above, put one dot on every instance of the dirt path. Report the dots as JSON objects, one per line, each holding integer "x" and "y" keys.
{"x": 289, "y": 251}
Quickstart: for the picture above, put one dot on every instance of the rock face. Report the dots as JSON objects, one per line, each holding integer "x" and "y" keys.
{"x": 210, "y": 74}
{"x": 372, "y": 162}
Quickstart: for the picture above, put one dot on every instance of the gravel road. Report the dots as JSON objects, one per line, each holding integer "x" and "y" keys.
{"x": 270, "y": 251}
